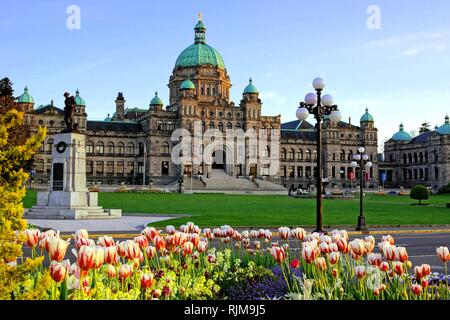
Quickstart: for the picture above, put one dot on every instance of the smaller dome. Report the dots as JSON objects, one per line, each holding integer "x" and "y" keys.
{"x": 250, "y": 88}
{"x": 79, "y": 100}
{"x": 367, "y": 117}
{"x": 25, "y": 97}
{"x": 445, "y": 128}
{"x": 107, "y": 119}
{"x": 402, "y": 135}
{"x": 156, "y": 101}
{"x": 187, "y": 85}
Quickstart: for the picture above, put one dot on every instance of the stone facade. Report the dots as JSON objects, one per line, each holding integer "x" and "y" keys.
{"x": 133, "y": 141}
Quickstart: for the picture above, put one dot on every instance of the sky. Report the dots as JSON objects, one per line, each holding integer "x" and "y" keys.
{"x": 389, "y": 56}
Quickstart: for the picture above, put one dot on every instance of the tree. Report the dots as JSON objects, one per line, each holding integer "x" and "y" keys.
{"x": 12, "y": 190}
{"x": 420, "y": 193}
{"x": 6, "y": 88}
{"x": 425, "y": 127}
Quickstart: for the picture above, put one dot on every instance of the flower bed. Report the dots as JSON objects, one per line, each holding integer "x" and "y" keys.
{"x": 183, "y": 264}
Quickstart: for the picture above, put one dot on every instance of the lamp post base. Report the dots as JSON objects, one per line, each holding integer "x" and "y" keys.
{"x": 362, "y": 224}
{"x": 320, "y": 230}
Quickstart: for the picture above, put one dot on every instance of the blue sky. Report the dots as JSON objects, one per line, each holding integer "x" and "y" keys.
{"x": 401, "y": 72}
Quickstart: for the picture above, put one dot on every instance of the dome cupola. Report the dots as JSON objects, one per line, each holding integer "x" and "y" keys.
{"x": 79, "y": 100}
{"x": 156, "y": 101}
{"x": 25, "y": 97}
{"x": 251, "y": 87}
{"x": 367, "y": 117}
{"x": 445, "y": 128}
{"x": 402, "y": 135}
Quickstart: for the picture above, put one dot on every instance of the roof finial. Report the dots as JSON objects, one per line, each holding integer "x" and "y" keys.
{"x": 367, "y": 110}
{"x": 26, "y": 89}
{"x": 446, "y": 119}
{"x": 156, "y": 93}
{"x": 401, "y": 126}
{"x": 51, "y": 102}
{"x": 77, "y": 92}
{"x": 250, "y": 80}
{"x": 200, "y": 16}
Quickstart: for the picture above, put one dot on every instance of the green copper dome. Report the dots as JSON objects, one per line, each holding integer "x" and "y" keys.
{"x": 402, "y": 135}
{"x": 200, "y": 53}
{"x": 156, "y": 101}
{"x": 250, "y": 88}
{"x": 445, "y": 128}
{"x": 367, "y": 117}
{"x": 79, "y": 100}
{"x": 187, "y": 85}
{"x": 107, "y": 119}
{"x": 25, "y": 97}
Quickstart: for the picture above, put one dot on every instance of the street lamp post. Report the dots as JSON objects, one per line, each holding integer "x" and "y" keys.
{"x": 320, "y": 107}
{"x": 361, "y": 160}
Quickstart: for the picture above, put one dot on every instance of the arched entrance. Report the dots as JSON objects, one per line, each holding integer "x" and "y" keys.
{"x": 219, "y": 159}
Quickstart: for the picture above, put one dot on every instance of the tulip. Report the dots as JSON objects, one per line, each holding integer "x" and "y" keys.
{"x": 188, "y": 247}
{"x": 121, "y": 249}
{"x": 150, "y": 233}
{"x": 253, "y": 234}
{"x": 324, "y": 248}
{"x": 32, "y": 236}
{"x": 369, "y": 246}
{"x": 357, "y": 246}
{"x": 285, "y": 232}
{"x": 398, "y": 267}
{"x": 99, "y": 257}
{"x": 334, "y": 257}
{"x": 257, "y": 245}
{"x": 80, "y": 241}
{"x": 111, "y": 271}
{"x": 125, "y": 271}
{"x": 325, "y": 239}
{"x": 237, "y": 236}
{"x": 343, "y": 245}
{"x": 308, "y": 254}
{"x": 110, "y": 255}
{"x": 285, "y": 246}
{"x": 390, "y": 252}
{"x": 424, "y": 283}
{"x": 426, "y": 269}
{"x": 334, "y": 273}
{"x": 295, "y": 263}
{"x": 196, "y": 230}
{"x": 246, "y": 243}
{"x": 401, "y": 254}
{"x": 132, "y": 250}
{"x": 190, "y": 226}
{"x": 245, "y": 234}
{"x": 82, "y": 233}
{"x": 374, "y": 259}
{"x": 142, "y": 242}
{"x": 418, "y": 272}
{"x": 106, "y": 241}
{"x": 360, "y": 271}
{"x": 278, "y": 254}
{"x": 156, "y": 293}
{"x": 344, "y": 234}
{"x": 389, "y": 239}
{"x": 146, "y": 280}
{"x": 298, "y": 234}
{"x": 159, "y": 243}
{"x": 184, "y": 228}
{"x": 203, "y": 246}
{"x": 151, "y": 252}
{"x": 57, "y": 248}
{"x": 208, "y": 233}
{"x": 320, "y": 263}
{"x": 268, "y": 235}
{"x": 376, "y": 292}
{"x": 218, "y": 232}
{"x": 195, "y": 239}
{"x": 443, "y": 254}
{"x": 86, "y": 258}
{"x": 170, "y": 230}
{"x": 58, "y": 271}
{"x": 333, "y": 247}
{"x": 416, "y": 289}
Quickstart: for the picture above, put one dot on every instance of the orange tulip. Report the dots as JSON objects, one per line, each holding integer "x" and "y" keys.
{"x": 390, "y": 252}
{"x": 111, "y": 271}
{"x": 398, "y": 267}
{"x": 151, "y": 252}
{"x": 195, "y": 239}
{"x": 376, "y": 292}
{"x": 357, "y": 246}
{"x": 374, "y": 259}
{"x": 424, "y": 283}
{"x": 86, "y": 258}
{"x": 146, "y": 280}
{"x": 106, "y": 241}
{"x": 278, "y": 254}
{"x": 426, "y": 269}
{"x": 320, "y": 263}
{"x": 32, "y": 236}
{"x": 207, "y": 233}
{"x": 111, "y": 255}
{"x": 308, "y": 254}
{"x": 121, "y": 249}
{"x": 416, "y": 289}
{"x": 389, "y": 239}
{"x": 159, "y": 243}
{"x": 443, "y": 254}
{"x": 298, "y": 233}
{"x": 58, "y": 271}
{"x": 82, "y": 233}
{"x": 150, "y": 233}
{"x": 125, "y": 271}
{"x": 334, "y": 273}
{"x": 401, "y": 254}
{"x": 141, "y": 241}
{"x": 360, "y": 272}
{"x": 80, "y": 241}
{"x": 188, "y": 247}
{"x": 57, "y": 248}
{"x": 99, "y": 257}
{"x": 334, "y": 257}
{"x": 285, "y": 232}
{"x": 384, "y": 266}
{"x": 343, "y": 245}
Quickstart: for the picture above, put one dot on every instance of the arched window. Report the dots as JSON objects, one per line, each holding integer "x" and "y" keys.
{"x": 160, "y": 125}
{"x": 120, "y": 148}
{"x": 89, "y": 147}
{"x": 405, "y": 158}
{"x": 238, "y": 125}
{"x": 203, "y": 126}
{"x": 283, "y": 153}
{"x": 221, "y": 126}
{"x": 415, "y": 158}
{"x": 208, "y": 92}
{"x": 100, "y": 148}
{"x": 350, "y": 155}
{"x": 214, "y": 91}
{"x": 211, "y": 125}
{"x": 410, "y": 157}
{"x": 315, "y": 154}
{"x": 268, "y": 152}
{"x": 169, "y": 126}
{"x": 229, "y": 126}
{"x": 342, "y": 156}
{"x": 130, "y": 148}
{"x": 166, "y": 149}
{"x": 300, "y": 154}
{"x": 308, "y": 154}
{"x": 272, "y": 130}
{"x": 291, "y": 154}
{"x": 421, "y": 157}
{"x": 141, "y": 149}
{"x": 49, "y": 145}
{"x": 110, "y": 148}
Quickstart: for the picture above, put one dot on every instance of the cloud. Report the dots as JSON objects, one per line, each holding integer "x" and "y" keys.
{"x": 273, "y": 98}
{"x": 411, "y": 52}
{"x": 268, "y": 74}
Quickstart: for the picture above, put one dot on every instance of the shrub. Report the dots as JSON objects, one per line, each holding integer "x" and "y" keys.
{"x": 445, "y": 189}
{"x": 420, "y": 193}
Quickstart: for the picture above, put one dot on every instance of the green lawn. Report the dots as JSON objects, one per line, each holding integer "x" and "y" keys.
{"x": 255, "y": 210}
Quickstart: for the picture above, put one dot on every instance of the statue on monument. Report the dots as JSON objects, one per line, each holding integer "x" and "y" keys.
{"x": 69, "y": 110}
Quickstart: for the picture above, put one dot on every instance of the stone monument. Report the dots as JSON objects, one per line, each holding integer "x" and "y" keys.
{"x": 68, "y": 196}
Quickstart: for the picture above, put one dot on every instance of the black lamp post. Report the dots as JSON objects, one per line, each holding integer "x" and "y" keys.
{"x": 319, "y": 106}
{"x": 361, "y": 160}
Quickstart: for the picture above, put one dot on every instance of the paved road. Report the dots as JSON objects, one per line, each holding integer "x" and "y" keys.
{"x": 421, "y": 247}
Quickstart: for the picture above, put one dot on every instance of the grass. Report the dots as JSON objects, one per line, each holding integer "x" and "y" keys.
{"x": 274, "y": 210}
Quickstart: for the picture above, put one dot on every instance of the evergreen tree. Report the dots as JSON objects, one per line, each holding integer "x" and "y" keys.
{"x": 425, "y": 127}
{"x": 6, "y": 88}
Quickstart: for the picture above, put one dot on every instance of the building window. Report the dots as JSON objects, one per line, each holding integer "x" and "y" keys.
{"x": 229, "y": 126}
{"x": 415, "y": 158}
{"x": 421, "y": 157}
{"x": 342, "y": 173}
{"x": 291, "y": 172}
{"x": 342, "y": 155}
{"x": 333, "y": 172}
{"x": 89, "y": 147}
{"x": 110, "y": 167}
{"x": 110, "y": 148}
{"x": 283, "y": 171}
{"x": 415, "y": 174}
{"x": 421, "y": 173}
{"x": 308, "y": 172}
{"x": 211, "y": 125}
{"x": 166, "y": 148}
{"x": 404, "y": 158}
{"x": 300, "y": 172}
{"x": 89, "y": 167}
{"x": 283, "y": 154}
{"x": 100, "y": 148}
{"x": 99, "y": 167}
{"x": 49, "y": 165}
{"x": 436, "y": 157}
{"x": 120, "y": 148}
{"x": 160, "y": 125}
{"x": 300, "y": 154}
{"x": 308, "y": 154}
{"x": 409, "y": 157}
{"x": 350, "y": 155}
{"x": 291, "y": 154}
{"x": 404, "y": 174}
{"x": 170, "y": 126}
{"x": 315, "y": 154}
{"x": 426, "y": 173}
{"x": 49, "y": 145}
{"x": 410, "y": 174}
{"x": 436, "y": 172}
{"x": 391, "y": 158}
{"x": 165, "y": 168}
{"x": 220, "y": 126}
{"x": 130, "y": 149}
{"x": 334, "y": 156}
{"x": 130, "y": 167}
{"x": 120, "y": 167}
{"x": 315, "y": 172}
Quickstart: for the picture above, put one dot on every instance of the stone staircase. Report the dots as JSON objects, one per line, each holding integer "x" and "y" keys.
{"x": 264, "y": 185}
